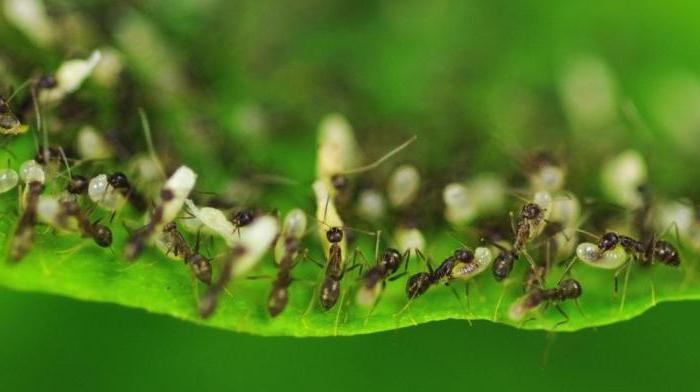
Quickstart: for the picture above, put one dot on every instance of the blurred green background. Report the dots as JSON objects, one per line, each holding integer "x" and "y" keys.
{"x": 480, "y": 79}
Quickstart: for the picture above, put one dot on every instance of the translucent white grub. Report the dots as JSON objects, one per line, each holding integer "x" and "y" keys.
{"x": 622, "y": 176}
{"x": 371, "y": 205}
{"x": 69, "y": 77}
{"x": 337, "y": 147}
{"x": 91, "y": 145}
{"x": 590, "y": 254}
{"x": 483, "y": 257}
{"x": 588, "y": 93}
{"x": 403, "y": 186}
{"x": 328, "y": 216}
{"x": 548, "y": 178}
{"x": 460, "y": 205}
{"x": 213, "y": 221}
{"x": 294, "y": 227}
{"x": 255, "y": 239}
{"x": 8, "y": 180}
{"x": 31, "y": 18}
{"x": 31, "y": 171}
{"x": 409, "y": 239}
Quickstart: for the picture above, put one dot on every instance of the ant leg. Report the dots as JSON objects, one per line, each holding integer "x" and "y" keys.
{"x": 567, "y": 269}
{"x": 563, "y": 313}
{"x": 307, "y": 257}
{"x": 461, "y": 305}
{"x": 259, "y": 277}
{"x": 111, "y": 217}
{"x": 512, "y": 222}
{"x": 618, "y": 272}
{"x": 466, "y": 295}
{"x": 624, "y": 288}
{"x": 580, "y": 310}
{"x": 396, "y": 276}
{"x": 355, "y": 253}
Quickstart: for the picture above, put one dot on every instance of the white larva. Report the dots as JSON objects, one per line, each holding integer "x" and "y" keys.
{"x": 403, "y": 186}
{"x": 371, "y": 205}
{"x": 31, "y": 171}
{"x": 105, "y": 195}
{"x": 212, "y": 221}
{"x": 337, "y": 147}
{"x": 591, "y": 255}
{"x": 483, "y": 257}
{"x": 69, "y": 77}
{"x": 91, "y": 145}
{"x": 409, "y": 239}
{"x": 255, "y": 239}
{"x": 622, "y": 176}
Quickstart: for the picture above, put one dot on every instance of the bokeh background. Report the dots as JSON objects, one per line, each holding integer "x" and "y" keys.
{"x": 482, "y": 80}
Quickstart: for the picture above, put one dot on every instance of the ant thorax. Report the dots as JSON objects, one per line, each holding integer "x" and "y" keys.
{"x": 106, "y": 196}
{"x": 483, "y": 258}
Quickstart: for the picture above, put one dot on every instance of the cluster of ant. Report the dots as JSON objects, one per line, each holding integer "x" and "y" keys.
{"x": 52, "y": 194}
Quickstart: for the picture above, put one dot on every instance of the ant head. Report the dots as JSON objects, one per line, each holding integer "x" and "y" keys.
{"x": 334, "y": 235}
{"x": 243, "y": 218}
{"x": 118, "y": 180}
{"x": 570, "y": 288}
{"x": 78, "y": 185}
{"x": 418, "y": 284}
{"x": 170, "y": 227}
{"x": 391, "y": 259}
{"x": 102, "y": 235}
{"x": 339, "y": 181}
{"x": 531, "y": 211}
{"x": 464, "y": 255}
{"x": 330, "y": 291}
{"x": 167, "y": 194}
{"x": 608, "y": 241}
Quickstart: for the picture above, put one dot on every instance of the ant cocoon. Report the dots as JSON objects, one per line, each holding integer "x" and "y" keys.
{"x": 337, "y": 147}
{"x": 109, "y": 67}
{"x": 69, "y": 77}
{"x": 403, "y": 186}
{"x": 8, "y": 180}
{"x": 371, "y": 205}
{"x": 91, "y": 145}
{"x": 622, "y": 176}
{"x": 30, "y": 17}
{"x": 294, "y": 228}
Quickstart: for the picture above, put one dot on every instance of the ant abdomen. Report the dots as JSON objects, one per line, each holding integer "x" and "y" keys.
{"x": 666, "y": 253}
{"x": 418, "y": 284}
{"x": 102, "y": 235}
{"x": 277, "y": 301}
{"x": 330, "y": 291}
{"x": 201, "y": 268}
{"x": 503, "y": 265}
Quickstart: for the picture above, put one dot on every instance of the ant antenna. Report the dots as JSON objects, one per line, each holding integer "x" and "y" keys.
{"x": 145, "y": 124}
{"x": 18, "y": 89}
{"x": 465, "y": 246}
{"x": 382, "y": 159}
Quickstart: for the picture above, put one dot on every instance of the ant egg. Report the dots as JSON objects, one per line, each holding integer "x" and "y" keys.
{"x": 31, "y": 171}
{"x": 97, "y": 188}
{"x": 30, "y": 17}
{"x": 371, "y": 205}
{"x": 409, "y": 238}
{"x": 91, "y": 145}
{"x": 255, "y": 239}
{"x": 337, "y": 147}
{"x": 8, "y": 180}
{"x": 622, "y": 176}
{"x": 403, "y": 186}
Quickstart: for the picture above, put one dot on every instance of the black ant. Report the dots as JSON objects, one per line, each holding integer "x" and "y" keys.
{"x": 419, "y": 283}
{"x": 565, "y": 289}
{"x": 279, "y": 295}
{"x": 101, "y": 234}
{"x": 8, "y": 121}
{"x": 330, "y": 288}
{"x": 384, "y": 270}
{"x": 137, "y": 240}
{"x": 660, "y": 250}
{"x": 199, "y": 265}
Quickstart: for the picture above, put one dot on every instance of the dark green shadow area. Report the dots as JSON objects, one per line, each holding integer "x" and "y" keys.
{"x": 53, "y": 343}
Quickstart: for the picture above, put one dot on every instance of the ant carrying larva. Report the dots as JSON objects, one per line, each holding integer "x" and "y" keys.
{"x": 287, "y": 252}
{"x": 252, "y": 244}
{"x": 566, "y": 289}
{"x": 33, "y": 177}
{"x": 67, "y": 216}
{"x": 172, "y": 243}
